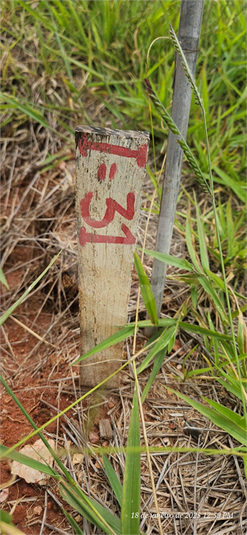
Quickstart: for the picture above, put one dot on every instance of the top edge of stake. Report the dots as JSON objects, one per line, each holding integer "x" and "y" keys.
{"x": 110, "y": 132}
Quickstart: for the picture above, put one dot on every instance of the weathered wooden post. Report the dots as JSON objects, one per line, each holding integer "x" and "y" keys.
{"x": 110, "y": 167}
{"x": 189, "y": 34}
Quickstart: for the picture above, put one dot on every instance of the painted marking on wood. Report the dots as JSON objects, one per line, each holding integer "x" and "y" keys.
{"x": 102, "y": 171}
{"x": 140, "y": 154}
{"x": 112, "y": 207}
{"x": 88, "y": 237}
{"x": 110, "y": 171}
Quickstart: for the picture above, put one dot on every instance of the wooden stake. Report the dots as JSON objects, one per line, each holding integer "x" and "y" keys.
{"x": 110, "y": 168}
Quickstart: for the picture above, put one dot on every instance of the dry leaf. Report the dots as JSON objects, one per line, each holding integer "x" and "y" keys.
{"x": 4, "y": 493}
{"x": 77, "y": 458}
{"x": 40, "y": 453}
{"x": 37, "y": 510}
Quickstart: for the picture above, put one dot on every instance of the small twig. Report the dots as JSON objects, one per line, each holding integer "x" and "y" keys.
{"x": 44, "y": 515}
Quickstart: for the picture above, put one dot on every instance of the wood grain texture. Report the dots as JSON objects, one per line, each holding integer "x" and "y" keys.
{"x": 110, "y": 170}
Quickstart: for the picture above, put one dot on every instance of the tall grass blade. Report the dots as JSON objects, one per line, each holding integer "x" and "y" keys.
{"x": 228, "y": 413}
{"x": 146, "y": 290}
{"x": 130, "y": 512}
{"x": 36, "y": 14}
{"x": 216, "y": 279}
{"x": 171, "y": 260}
{"x": 3, "y": 279}
{"x": 160, "y": 357}
{"x": 73, "y": 523}
{"x": 28, "y": 461}
{"x": 90, "y": 509}
{"x": 209, "y": 289}
{"x": 11, "y": 309}
{"x": 30, "y": 112}
{"x": 113, "y": 479}
{"x": 114, "y": 339}
{"x": 188, "y": 327}
{"x": 190, "y": 242}
{"x": 202, "y": 241}
{"x": 161, "y": 344}
{"x": 59, "y": 42}
{"x": 130, "y": 328}
{"x": 230, "y": 384}
{"x": 238, "y": 188}
{"x": 229, "y": 424}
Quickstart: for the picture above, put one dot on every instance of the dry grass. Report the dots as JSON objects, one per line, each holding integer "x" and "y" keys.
{"x": 197, "y": 493}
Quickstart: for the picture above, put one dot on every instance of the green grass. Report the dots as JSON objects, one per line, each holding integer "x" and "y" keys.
{"x": 60, "y": 53}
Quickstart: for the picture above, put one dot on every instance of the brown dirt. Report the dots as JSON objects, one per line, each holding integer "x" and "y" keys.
{"x": 26, "y": 500}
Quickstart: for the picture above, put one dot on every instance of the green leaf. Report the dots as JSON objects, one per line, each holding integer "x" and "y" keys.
{"x": 30, "y": 112}
{"x": 215, "y": 278}
{"x": 242, "y": 334}
{"x": 28, "y": 461}
{"x": 155, "y": 182}
{"x": 3, "y": 279}
{"x": 189, "y": 327}
{"x": 113, "y": 479}
{"x": 72, "y": 522}
{"x": 130, "y": 512}
{"x": 238, "y": 188}
{"x": 36, "y": 14}
{"x": 90, "y": 509}
{"x": 59, "y": 42}
{"x": 231, "y": 386}
{"x": 218, "y": 418}
{"x": 202, "y": 240}
{"x": 231, "y": 383}
{"x": 194, "y": 296}
{"x": 160, "y": 357}
{"x": 5, "y": 517}
{"x": 245, "y": 464}
{"x": 27, "y": 109}
{"x": 196, "y": 372}
{"x": 228, "y": 413}
{"x": 208, "y": 287}
{"x": 10, "y": 310}
{"x": 162, "y": 343}
{"x": 189, "y": 242}
{"x": 171, "y": 260}
{"x": 172, "y": 339}
{"x": 146, "y": 290}
{"x": 214, "y": 342}
{"x": 114, "y": 339}
{"x": 230, "y": 229}
{"x": 164, "y": 322}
